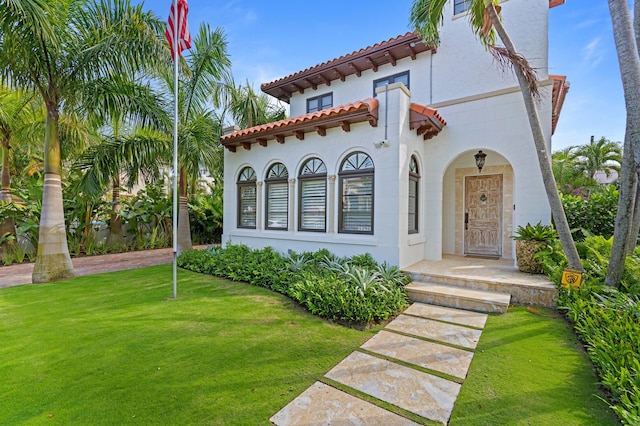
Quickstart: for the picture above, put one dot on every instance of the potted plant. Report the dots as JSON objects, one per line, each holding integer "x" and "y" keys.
{"x": 530, "y": 240}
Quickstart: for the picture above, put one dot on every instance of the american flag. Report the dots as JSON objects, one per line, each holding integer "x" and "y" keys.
{"x": 183, "y": 37}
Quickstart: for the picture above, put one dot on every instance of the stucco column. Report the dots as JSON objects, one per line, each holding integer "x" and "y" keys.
{"x": 331, "y": 202}
{"x": 292, "y": 202}
{"x": 259, "y": 205}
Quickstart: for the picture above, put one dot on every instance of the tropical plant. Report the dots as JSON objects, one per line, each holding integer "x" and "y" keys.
{"x": 426, "y": 15}
{"x": 593, "y": 216}
{"x": 601, "y": 156}
{"x": 122, "y": 108}
{"x": 57, "y": 48}
{"x": 205, "y": 214}
{"x": 204, "y": 69}
{"x": 531, "y": 240}
{"x": 627, "y": 39}
{"x": 249, "y": 108}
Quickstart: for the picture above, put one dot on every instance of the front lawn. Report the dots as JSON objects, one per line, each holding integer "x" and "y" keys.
{"x": 109, "y": 349}
{"x": 114, "y": 349}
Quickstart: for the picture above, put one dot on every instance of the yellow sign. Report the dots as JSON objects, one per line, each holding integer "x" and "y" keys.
{"x": 571, "y": 278}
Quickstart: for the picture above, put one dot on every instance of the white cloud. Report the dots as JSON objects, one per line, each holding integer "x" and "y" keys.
{"x": 593, "y": 53}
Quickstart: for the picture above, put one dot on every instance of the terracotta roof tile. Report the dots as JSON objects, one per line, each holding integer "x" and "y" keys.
{"x": 425, "y": 120}
{"x": 319, "y": 121}
{"x": 389, "y": 51}
{"x": 558, "y": 95}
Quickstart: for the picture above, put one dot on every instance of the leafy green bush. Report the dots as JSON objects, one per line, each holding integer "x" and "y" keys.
{"x": 593, "y": 216}
{"x": 609, "y": 325}
{"x": 607, "y": 319}
{"x": 355, "y": 290}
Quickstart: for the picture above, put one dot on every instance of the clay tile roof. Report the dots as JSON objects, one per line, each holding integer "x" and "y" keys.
{"x": 319, "y": 121}
{"x": 558, "y": 95}
{"x": 554, "y": 3}
{"x": 425, "y": 120}
{"x": 390, "y": 51}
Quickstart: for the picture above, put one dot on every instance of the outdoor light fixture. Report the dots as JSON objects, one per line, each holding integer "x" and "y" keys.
{"x": 480, "y": 156}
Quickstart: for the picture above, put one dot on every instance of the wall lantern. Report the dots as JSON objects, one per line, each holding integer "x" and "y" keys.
{"x": 480, "y": 156}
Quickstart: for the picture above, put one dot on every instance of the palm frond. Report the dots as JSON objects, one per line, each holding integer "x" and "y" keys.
{"x": 510, "y": 60}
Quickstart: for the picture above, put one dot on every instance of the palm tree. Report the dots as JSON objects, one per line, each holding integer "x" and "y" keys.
{"x": 118, "y": 105}
{"x": 204, "y": 69}
{"x": 56, "y": 48}
{"x": 629, "y": 62}
{"x": 601, "y": 156}
{"x": 426, "y": 15}
{"x": 249, "y": 108}
{"x": 16, "y": 113}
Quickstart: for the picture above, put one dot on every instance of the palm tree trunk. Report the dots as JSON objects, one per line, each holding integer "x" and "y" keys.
{"x": 635, "y": 223}
{"x": 184, "y": 231}
{"x": 629, "y": 62}
{"x": 557, "y": 210}
{"x": 116, "y": 237}
{"x": 7, "y": 226}
{"x": 53, "y": 262}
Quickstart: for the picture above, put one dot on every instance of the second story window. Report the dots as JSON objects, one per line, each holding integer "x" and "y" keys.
{"x": 319, "y": 102}
{"x": 402, "y": 77}
{"x": 460, "y": 6}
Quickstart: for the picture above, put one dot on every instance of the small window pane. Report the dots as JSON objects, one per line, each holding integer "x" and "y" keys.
{"x": 247, "y": 206}
{"x": 460, "y": 6}
{"x": 312, "y": 105}
{"x": 277, "y": 205}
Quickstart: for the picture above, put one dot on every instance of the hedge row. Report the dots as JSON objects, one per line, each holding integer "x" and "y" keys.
{"x": 356, "y": 290}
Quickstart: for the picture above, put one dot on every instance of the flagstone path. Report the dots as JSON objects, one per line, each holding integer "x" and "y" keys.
{"x": 417, "y": 363}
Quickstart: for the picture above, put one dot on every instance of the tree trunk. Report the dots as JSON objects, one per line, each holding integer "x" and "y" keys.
{"x": 7, "y": 226}
{"x": 184, "y": 231}
{"x": 557, "y": 210}
{"x": 632, "y": 241}
{"x": 629, "y": 62}
{"x": 53, "y": 262}
{"x": 116, "y": 237}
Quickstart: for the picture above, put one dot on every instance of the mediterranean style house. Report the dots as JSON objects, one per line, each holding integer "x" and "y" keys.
{"x": 400, "y": 150}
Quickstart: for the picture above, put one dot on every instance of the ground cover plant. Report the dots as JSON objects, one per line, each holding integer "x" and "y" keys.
{"x": 606, "y": 319}
{"x": 530, "y": 369}
{"x": 110, "y": 349}
{"x": 356, "y": 290}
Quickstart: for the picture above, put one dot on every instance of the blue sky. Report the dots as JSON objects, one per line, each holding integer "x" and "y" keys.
{"x": 272, "y": 39}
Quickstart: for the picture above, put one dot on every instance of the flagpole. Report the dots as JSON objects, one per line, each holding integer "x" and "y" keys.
{"x": 175, "y": 148}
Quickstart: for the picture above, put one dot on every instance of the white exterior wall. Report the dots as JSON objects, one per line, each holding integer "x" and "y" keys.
{"x": 483, "y": 108}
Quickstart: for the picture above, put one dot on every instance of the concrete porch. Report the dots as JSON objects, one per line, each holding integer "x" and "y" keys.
{"x": 478, "y": 284}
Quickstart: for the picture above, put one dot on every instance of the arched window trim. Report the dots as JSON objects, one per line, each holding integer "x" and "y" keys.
{"x": 277, "y": 197}
{"x": 358, "y": 172}
{"x": 312, "y": 178}
{"x": 247, "y": 199}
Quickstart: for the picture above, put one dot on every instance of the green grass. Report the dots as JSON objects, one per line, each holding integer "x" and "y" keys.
{"x": 110, "y": 349}
{"x": 113, "y": 349}
{"x": 529, "y": 369}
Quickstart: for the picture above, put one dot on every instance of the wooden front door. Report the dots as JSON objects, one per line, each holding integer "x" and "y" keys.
{"x": 483, "y": 215}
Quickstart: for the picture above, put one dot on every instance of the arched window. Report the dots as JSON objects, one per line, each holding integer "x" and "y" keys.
{"x": 356, "y": 194}
{"x": 277, "y": 189}
{"x": 414, "y": 178}
{"x": 247, "y": 198}
{"x": 313, "y": 196}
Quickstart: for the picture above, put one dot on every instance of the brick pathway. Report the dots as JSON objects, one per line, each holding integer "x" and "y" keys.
{"x": 21, "y": 274}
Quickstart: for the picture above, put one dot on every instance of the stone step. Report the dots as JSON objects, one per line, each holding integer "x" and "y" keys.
{"x": 458, "y": 297}
{"x": 525, "y": 289}
{"x": 423, "y": 394}
{"x": 322, "y": 404}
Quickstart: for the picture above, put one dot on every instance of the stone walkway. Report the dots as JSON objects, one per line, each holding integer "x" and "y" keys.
{"x": 417, "y": 363}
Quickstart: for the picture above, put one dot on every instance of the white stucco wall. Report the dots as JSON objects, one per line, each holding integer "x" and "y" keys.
{"x": 483, "y": 109}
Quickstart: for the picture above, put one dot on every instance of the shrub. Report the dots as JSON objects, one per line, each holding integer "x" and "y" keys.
{"x": 593, "y": 216}
{"x": 606, "y": 319}
{"x": 354, "y": 290}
